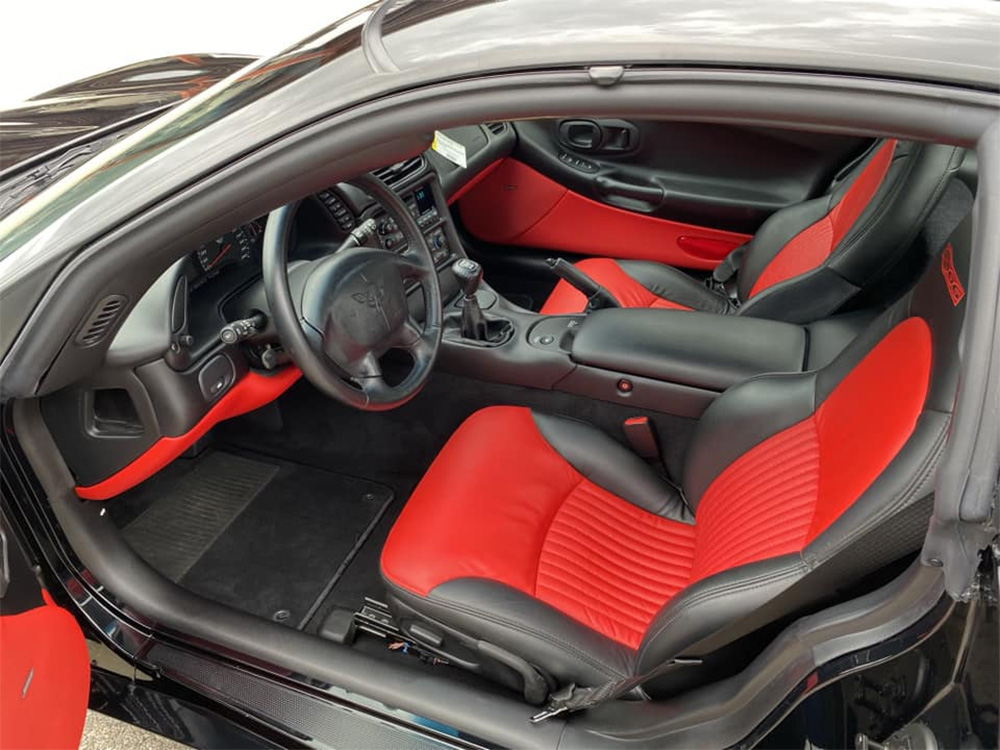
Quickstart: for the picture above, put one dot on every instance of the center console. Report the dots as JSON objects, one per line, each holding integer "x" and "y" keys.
{"x": 669, "y": 361}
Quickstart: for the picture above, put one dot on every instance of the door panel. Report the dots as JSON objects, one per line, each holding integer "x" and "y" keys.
{"x": 45, "y": 668}
{"x": 714, "y": 184}
{"x": 721, "y": 176}
{"x": 516, "y": 205}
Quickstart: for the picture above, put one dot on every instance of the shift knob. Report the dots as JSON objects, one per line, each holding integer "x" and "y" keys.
{"x": 469, "y": 275}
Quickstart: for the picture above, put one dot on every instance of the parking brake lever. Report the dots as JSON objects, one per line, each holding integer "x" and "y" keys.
{"x": 597, "y": 296}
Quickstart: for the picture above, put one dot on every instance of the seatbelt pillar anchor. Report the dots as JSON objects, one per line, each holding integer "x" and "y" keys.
{"x": 571, "y": 698}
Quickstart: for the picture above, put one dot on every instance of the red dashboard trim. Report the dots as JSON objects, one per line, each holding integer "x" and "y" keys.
{"x": 482, "y": 175}
{"x": 251, "y": 392}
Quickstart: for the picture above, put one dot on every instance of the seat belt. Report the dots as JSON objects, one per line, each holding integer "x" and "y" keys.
{"x": 571, "y": 698}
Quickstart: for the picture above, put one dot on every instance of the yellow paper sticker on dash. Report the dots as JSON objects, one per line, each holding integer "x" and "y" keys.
{"x": 449, "y": 148}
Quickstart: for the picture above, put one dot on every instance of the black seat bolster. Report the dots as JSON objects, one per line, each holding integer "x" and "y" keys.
{"x": 713, "y": 603}
{"x": 802, "y": 299}
{"x": 611, "y": 465}
{"x": 520, "y": 624}
{"x": 830, "y": 336}
{"x": 672, "y": 284}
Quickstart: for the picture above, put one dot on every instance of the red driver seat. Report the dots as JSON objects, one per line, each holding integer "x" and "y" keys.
{"x": 806, "y": 261}
{"x": 538, "y": 545}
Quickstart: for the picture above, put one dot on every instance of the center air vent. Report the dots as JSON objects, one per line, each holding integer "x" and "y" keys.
{"x": 497, "y": 128}
{"x": 101, "y": 320}
{"x": 398, "y": 173}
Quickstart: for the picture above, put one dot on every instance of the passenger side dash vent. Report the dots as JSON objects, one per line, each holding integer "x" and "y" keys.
{"x": 497, "y": 128}
{"x": 397, "y": 173}
{"x": 101, "y": 320}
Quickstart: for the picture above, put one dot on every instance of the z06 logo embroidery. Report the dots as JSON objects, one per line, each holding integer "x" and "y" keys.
{"x": 951, "y": 280}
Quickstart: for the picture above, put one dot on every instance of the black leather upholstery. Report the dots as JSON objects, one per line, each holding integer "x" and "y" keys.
{"x": 691, "y": 348}
{"x": 742, "y": 417}
{"x": 520, "y": 624}
{"x": 677, "y": 286}
{"x": 612, "y": 466}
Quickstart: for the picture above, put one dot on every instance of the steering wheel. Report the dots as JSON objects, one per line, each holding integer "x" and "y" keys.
{"x": 338, "y": 315}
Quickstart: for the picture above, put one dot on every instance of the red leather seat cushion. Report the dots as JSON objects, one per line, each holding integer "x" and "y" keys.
{"x": 500, "y": 503}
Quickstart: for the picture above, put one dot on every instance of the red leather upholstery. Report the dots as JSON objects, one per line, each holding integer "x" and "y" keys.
{"x": 611, "y": 565}
{"x": 512, "y": 510}
{"x": 44, "y": 678}
{"x": 813, "y": 245}
{"x": 500, "y": 503}
{"x": 517, "y": 205}
{"x": 566, "y": 299}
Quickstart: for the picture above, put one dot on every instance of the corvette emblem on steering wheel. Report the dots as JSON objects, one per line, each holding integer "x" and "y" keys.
{"x": 373, "y": 296}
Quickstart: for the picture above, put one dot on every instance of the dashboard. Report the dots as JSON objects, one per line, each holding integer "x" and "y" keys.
{"x": 169, "y": 372}
{"x": 220, "y": 280}
{"x": 325, "y": 220}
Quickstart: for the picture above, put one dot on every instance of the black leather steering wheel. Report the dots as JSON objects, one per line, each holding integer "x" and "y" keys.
{"x": 338, "y": 315}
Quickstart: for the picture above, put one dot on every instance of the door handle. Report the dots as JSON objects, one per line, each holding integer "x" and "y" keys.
{"x": 582, "y": 135}
{"x": 611, "y": 187}
{"x": 599, "y": 136}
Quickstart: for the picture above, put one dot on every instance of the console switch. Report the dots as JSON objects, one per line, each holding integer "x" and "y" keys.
{"x": 238, "y": 330}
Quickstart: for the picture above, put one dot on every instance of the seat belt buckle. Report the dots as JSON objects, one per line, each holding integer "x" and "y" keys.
{"x": 547, "y": 713}
{"x": 641, "y": 435}
{"x": 559, "y": 703}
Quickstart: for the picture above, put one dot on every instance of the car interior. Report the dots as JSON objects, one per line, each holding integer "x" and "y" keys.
{"x": 553, "y": 404}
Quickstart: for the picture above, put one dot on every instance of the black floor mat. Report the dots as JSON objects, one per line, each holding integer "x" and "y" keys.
{"x": 268, "y": 537}
{"x": 178, "y": 528}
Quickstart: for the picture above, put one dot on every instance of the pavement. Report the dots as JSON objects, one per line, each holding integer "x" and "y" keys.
{"x": 104, "y": 733}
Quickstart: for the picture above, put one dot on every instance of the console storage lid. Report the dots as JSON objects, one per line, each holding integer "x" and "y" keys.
{"x": 699, "y": 349}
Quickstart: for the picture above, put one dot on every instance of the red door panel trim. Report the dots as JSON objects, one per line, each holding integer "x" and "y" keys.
{"x": 251, "y": 392}
{"x": 516, "y": 205}
{"x": 705, "y": 247}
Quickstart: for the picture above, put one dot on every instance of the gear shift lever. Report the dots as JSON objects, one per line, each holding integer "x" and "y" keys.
{"x": 469, "y": 274}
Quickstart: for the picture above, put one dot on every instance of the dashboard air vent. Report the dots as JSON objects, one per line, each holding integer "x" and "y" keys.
{"x": 496, "y": 127}
{"x": 101, "y": 320}
{"x": 397, "y": 173}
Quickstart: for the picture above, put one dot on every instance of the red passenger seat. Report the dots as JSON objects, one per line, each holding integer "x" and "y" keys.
{"x": 807, "y": 260}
